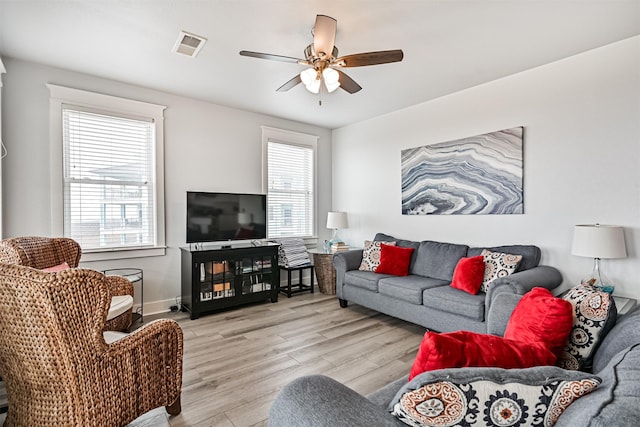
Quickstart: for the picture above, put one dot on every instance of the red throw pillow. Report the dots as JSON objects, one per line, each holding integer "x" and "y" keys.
{"x": 463, "y": 349}
{"x": 539, "y": 316}
{"x": 469, "y": 274}
{"x": 394, "y": 260}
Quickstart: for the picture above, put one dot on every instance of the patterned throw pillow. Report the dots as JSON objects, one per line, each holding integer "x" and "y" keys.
{"x": 497, "y": 264}
{"x": 371, "y": 255}
{"x": 490, "y": 396}
{"x": 594, "y": 314}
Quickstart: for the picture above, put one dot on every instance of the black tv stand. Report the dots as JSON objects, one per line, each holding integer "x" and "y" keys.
{"x": 217, "y": 278}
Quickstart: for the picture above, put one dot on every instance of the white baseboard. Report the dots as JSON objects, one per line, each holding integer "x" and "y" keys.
{"x": 156, "y": 307}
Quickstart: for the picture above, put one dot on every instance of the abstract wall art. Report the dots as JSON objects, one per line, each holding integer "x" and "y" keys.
{"x": 476, "y": 175}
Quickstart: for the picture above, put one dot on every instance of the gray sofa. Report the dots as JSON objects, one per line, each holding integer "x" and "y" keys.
{"x": 320, "y": 401}
{"x": 424, "y": 297}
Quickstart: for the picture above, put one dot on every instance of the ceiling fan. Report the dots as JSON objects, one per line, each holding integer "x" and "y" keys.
{"x": 322, "y": 57}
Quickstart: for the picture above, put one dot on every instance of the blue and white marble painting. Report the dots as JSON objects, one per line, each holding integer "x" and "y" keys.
{"x": 476, "y": 175}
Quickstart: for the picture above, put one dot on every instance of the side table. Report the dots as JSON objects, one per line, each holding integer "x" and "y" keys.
{"x": 134, "y": 275}
{"x": 624, "y": 305}
{"x": 325, "y": 272}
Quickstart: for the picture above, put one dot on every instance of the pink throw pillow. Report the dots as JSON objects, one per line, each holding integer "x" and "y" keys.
{"x": 59, "y": 267}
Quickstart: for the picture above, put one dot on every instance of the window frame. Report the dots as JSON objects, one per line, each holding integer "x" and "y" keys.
{"x": 61, "y": 95}
{"x": 281, "y": 136}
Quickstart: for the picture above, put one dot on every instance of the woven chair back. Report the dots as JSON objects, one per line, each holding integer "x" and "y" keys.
{"x": 50, "y": 340}
{"x": 40, "y": 252}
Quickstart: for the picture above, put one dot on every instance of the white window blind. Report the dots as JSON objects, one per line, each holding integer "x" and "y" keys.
{"x": 109, "y": 179}
{"x": 290, "y": 197}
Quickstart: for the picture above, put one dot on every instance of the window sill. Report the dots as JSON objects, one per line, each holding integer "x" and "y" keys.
{"x": 104, "y": 255}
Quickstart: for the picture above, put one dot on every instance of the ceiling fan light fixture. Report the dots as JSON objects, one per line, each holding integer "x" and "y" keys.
{"x": 331, "y": 79}
{"x": 311, "y": 80}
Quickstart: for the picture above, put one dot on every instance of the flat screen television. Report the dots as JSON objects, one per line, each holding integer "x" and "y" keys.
{"x": 213, "y": 217}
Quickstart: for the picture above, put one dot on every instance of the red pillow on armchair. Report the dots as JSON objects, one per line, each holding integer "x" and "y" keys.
{"x": 463, "y": 349}
{"x": 539, "y": 316}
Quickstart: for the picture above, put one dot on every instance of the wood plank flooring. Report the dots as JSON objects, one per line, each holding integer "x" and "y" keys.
{"x": 236, "y": 361}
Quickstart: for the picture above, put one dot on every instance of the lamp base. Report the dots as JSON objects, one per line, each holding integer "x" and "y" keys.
{"x": 599, "y": 282}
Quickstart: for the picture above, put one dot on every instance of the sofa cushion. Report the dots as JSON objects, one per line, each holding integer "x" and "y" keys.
{"x": 616, "y": 402}
{"x": 530, "y": 254}
{"x": 541, "y": 317}
{"x": 364, "y": 279}
{"x": 468, "y": 274}
{"x": 455, "y": 301}
{"x": 624, "y": 334}
{"x": 496, "y": 265}
{"x": 371, "y": 255}
{"x": 437, "y": 259}
{"x": 408, "y": 288}
{"x": 394, "y": 260}
{"x": 462, "y": 349}
{"x": 491, "y": 397}
{"x": 594, "y": 314}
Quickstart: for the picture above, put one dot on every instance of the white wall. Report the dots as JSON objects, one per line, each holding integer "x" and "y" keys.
{"x": 208, "y": 147}
{"x": 581, "y": 160}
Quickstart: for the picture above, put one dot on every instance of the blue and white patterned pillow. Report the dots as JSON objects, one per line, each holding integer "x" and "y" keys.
{"x": 490, "y": 396}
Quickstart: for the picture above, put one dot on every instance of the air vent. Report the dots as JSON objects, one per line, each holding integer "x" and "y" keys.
{"x": 189, "y": 44}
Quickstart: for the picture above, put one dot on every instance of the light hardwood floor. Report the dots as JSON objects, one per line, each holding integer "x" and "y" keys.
{"x": 236, "y": 361}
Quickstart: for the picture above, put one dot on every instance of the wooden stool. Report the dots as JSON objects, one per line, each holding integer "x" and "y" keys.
{"x": 300, "y": 287}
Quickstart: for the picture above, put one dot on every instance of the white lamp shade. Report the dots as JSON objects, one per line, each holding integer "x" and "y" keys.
{"x": 337, "y": 220}
{"x": 599, "y": 241}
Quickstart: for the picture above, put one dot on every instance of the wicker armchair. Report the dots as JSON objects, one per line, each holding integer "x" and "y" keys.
{"x": 57, "y": 367}
{"x": 45, "y": 252}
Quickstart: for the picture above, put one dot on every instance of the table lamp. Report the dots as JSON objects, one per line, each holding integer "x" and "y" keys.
{"x": 599, "y": 241}
{"x": 336, "y": 221}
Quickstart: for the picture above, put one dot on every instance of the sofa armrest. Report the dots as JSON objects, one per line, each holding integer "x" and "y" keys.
{"x": 500, "y": 311}
{"x": 343, "y": 262}
{"x": 319, "y": 401}
{"x": 505, "y": 292}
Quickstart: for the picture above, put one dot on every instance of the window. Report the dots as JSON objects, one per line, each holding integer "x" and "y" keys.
{"x": 290, "y": 183}
{"x": 109, "y": 172}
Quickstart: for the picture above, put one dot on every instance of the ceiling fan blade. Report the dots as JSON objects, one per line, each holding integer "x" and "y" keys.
{"x": 324, "y": 35}
{"x": 347, "y": 83}
{"x": 369, "y": 58}
{"x": 271, "y": 57}
{"x": 291, "y": 83}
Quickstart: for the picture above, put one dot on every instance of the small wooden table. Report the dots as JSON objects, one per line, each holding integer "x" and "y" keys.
{"x": 299, "y": 286}
{"x": 325, "y": 271}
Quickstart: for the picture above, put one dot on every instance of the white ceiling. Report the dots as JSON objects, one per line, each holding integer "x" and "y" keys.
{"x": 448, "y": 45}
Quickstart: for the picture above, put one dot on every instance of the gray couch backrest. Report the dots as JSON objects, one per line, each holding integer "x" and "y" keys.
{"x": 422, "y": 266}
{"x": 625, "y": 333}
{"x": 437, "y": 260}
{"x": 530, "y": 254}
